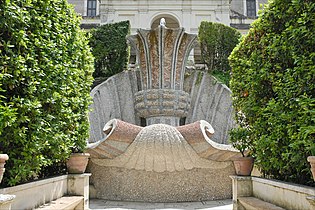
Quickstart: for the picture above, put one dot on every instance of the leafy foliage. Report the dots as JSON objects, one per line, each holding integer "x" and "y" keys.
{"x": 46, "y": 72}
{"x": 273, "y": 84}
{"x": 217, "y": 42}
{"x": 109, "y": 47}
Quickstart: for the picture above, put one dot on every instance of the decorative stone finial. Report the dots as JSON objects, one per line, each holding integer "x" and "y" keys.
{"x": 163, "y": 22}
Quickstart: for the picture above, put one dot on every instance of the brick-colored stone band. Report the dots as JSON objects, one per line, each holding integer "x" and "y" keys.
{"x": 198, "y": 135}
{"x": 119, "y": 135}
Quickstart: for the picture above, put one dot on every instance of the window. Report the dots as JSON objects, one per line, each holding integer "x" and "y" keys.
{"x": 251, "y": 8}
{"x": 91, "y": 8}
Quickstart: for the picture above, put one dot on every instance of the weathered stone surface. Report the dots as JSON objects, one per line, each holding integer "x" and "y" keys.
{"x": 182, "y": 161}
{"x": 162, "y": 53}
{"x": 160, "y": 148}
{"x": 198, "y": 135}
{"x": 159, "y": 162}
{"x": 114, "y": 183}
{"x": 113, "y": 99}
{"x": 210, "y": 101}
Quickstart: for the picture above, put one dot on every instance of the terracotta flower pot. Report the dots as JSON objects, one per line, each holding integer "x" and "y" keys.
{"x": 311, "y": 159}
{"x": 77, "y": 163}
{"x": 3, "y": 158}
{"x": 243, "y": 165}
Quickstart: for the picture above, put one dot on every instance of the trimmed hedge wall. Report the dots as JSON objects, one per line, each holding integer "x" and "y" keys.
{"x": 217, "y": 42}
{"x": 273, "y": 85}
{"x": 46, "y": 73}
{"x": 110, "y": 49}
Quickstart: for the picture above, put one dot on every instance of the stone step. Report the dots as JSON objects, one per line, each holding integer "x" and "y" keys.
{"x": 252, "y": 203}
{"x": 65, "y": 203}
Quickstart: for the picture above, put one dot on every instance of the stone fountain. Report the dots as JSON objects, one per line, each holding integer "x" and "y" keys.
{"x": 167, "y": 160}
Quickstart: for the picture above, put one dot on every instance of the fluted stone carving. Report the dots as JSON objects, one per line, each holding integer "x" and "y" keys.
{"x": 210, "y": 101}
{"x": 162, "y": 55}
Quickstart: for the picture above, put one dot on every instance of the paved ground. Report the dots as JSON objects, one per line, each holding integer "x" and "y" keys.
{"x": 120, "y": 205}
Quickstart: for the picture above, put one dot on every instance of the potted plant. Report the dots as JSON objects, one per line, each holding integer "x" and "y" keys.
{"x": 3, "y": 158}
{"x": 239, "y": 137}
{"x": 78, "y": 160}
{"x": 311, "y": 160}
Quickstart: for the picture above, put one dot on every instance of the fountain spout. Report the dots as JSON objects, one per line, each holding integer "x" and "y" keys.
{"x": 163, "y": 22}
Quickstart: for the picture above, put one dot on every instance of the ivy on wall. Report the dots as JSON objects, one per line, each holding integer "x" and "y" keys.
{"x": 110, "y": 49}
{"x": 46, "y": 73}
{"x": 217, "y": 42}
{"x": 273, "y": 85}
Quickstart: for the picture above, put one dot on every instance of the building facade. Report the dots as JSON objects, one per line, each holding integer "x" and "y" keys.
{"x": 178, "y": 13}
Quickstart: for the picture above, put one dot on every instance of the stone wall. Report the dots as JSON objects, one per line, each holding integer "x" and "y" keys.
{"x": 114, "y": 183}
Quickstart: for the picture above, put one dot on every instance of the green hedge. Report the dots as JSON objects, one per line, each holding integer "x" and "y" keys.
{"x": 46, "y": 73}
{"x": 273, "y": 85}
{"x": 110, "y": 49}
{"x": 217, "y": 42}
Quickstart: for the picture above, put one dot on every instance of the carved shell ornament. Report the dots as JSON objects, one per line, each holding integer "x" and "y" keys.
{"x": 159, "y": 147}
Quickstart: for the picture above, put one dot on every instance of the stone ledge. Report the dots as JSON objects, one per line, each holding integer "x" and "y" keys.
{"x": 253, "y": 203}
{"x": 285, "y": 185}
{"x": 11, "y": 190}
{"x": 46, "y": 190}
{"x": 282, "y": 194}
{"x": 6, "y": 199}
{"x": 64, "y": 203}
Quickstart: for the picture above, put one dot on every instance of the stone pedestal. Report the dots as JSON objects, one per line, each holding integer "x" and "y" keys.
{"x": 242, "y": 187}
{"x": 78, "y": 184}
{"x": 164, "y": 106}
